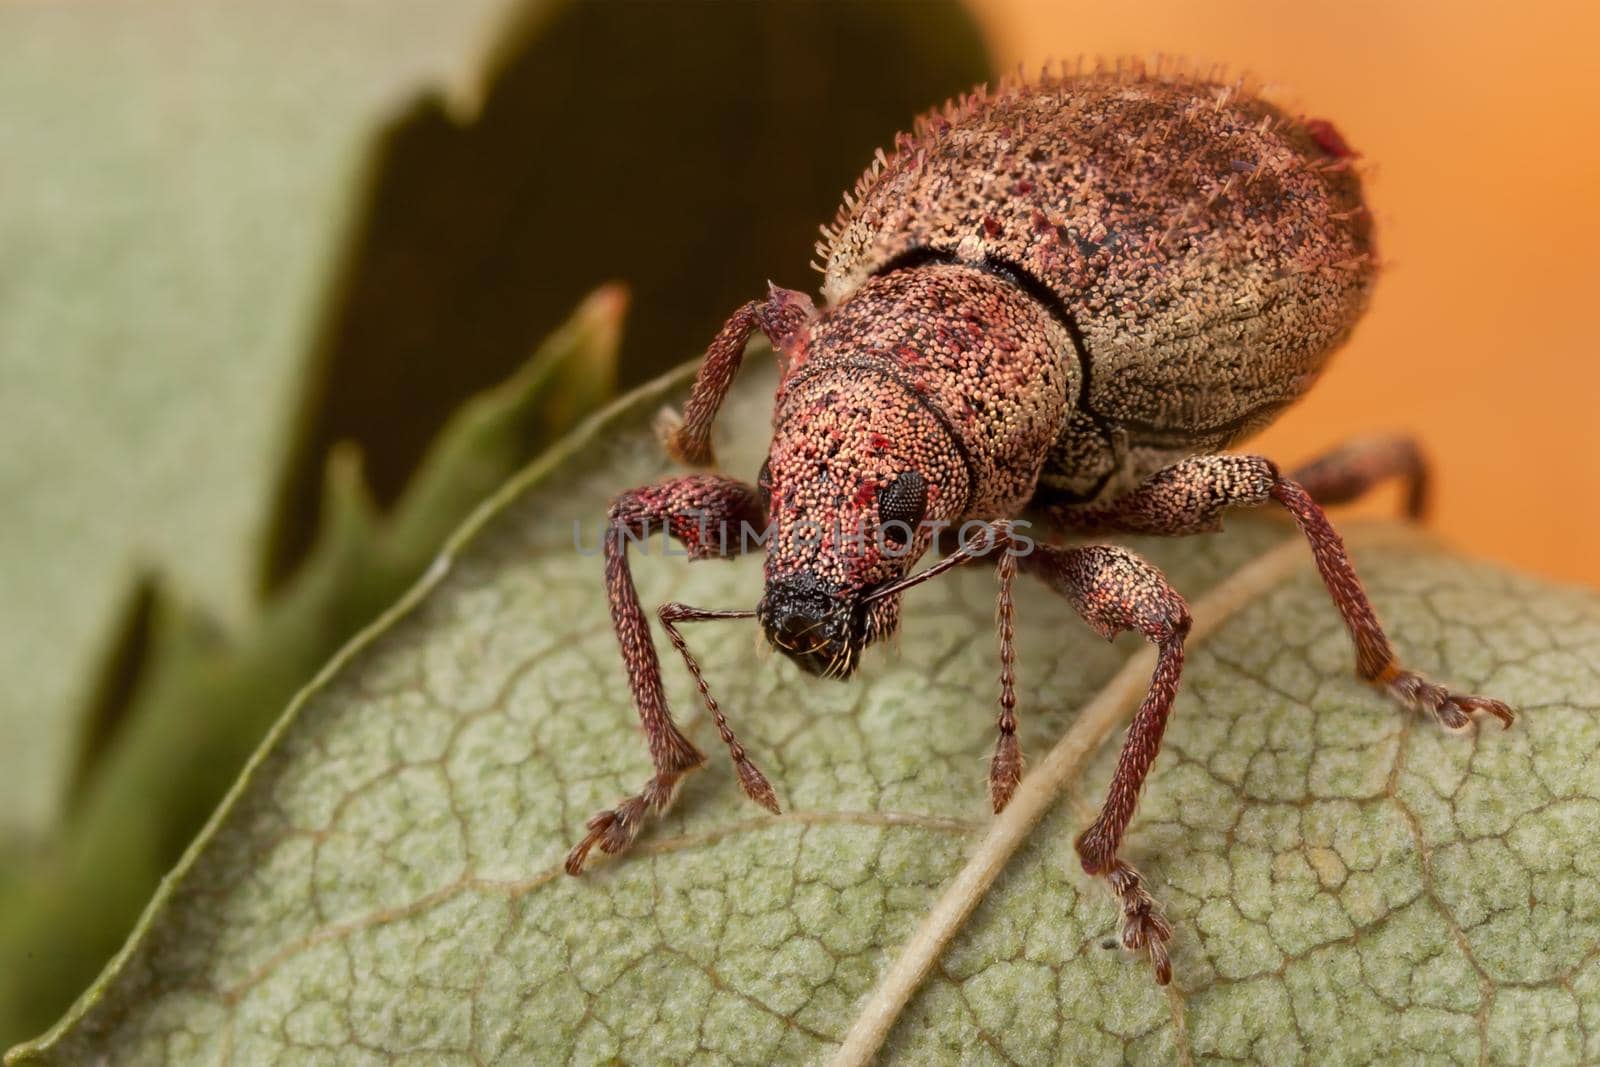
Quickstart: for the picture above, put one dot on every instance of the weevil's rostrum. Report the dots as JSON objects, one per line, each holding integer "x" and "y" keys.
{"x": 946, "y": 375}
{"x": 1057, "y": 300}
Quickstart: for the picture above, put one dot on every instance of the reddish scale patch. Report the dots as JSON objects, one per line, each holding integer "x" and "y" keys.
{"x": 974, "y": 354}
{"x": 1329, "y": 139}
{"x": 861, "y": 570}
{"x": 991, "y": 226}
{"x": 795, "y": 358}
{"x": 1023, "y": 187}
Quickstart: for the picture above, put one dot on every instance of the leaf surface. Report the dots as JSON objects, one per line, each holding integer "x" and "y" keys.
{"x": 1347, "y": 883}
{"x": 203, "y": 701}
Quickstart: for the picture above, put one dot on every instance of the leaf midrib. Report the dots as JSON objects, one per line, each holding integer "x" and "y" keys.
{"x": 1043, "y": 785}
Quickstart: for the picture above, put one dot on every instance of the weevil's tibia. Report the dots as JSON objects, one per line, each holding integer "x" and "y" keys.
{"x": 705, "y": 513}
{"x": 751, "y": 780}
{"x": 1190, "y": 496}
{"x": 782, "y": 316}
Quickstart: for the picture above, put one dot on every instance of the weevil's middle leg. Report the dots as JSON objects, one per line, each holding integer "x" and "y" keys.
{"x": 1190, "y": 496}
{"x": 1115, "y": 590}
{"x": 707, "y": 514}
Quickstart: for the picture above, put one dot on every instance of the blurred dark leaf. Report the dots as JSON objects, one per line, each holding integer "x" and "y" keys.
{"x": 691, "y": 150}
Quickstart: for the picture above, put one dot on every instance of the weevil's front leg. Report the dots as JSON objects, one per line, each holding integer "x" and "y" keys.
{"x": 751, "y": 780}
{"x": 1115, "y": 590}
{"x": 1190, "y": 496}
{"x": 1350, "y": 470}
{"x": 783, "y": 316}
{"x": 704, "y": 512}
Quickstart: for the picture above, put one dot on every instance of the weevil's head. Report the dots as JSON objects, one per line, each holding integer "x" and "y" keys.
{"x": 860, "y": 477}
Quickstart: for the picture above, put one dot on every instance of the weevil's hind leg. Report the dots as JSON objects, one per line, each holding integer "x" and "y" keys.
{"x": 705, "y": 513}
{"x": 1350, "y": 471}
{"x": 783, "y": 317}
{"x": 1376, "y": 661}
{"x": 1190, "y": 496}
{"x": 1115, "y": 590}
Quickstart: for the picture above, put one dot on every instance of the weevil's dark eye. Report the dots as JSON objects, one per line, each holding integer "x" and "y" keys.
{"x": 901, "y": 505}
{"x": 764, "y": 483}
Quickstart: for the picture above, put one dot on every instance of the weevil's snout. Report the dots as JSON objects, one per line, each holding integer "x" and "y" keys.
{"x": 818, "y": 627}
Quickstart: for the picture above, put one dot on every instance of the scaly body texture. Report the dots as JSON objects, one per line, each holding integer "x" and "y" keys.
{"x": 1205, "y": 251}
{"x": 1060, "y": 299}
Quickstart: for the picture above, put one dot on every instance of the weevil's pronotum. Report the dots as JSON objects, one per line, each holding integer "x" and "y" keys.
{"x": 1061, "y": 299}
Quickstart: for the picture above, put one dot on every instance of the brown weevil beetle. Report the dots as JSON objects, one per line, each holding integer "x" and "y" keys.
{"x": 1063, "y": 299}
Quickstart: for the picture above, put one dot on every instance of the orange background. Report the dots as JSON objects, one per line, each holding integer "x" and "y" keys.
{"x": 1479, "y": 124}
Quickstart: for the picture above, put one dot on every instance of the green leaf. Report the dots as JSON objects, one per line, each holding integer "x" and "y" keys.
{"x": 202, "y": 702}
{"x": 171, "y": 172}
{"x": 1348, "y": 883}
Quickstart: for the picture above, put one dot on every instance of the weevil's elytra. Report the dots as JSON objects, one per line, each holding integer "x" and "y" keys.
{"x": 1060, "y": 299}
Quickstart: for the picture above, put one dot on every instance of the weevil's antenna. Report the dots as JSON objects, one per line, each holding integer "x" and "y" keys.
{"x": 994, "y": 533}
{"x": 751, "y": 780}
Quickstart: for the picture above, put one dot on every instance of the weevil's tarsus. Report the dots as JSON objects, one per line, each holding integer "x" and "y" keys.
{"x": 751, "y": 780}
{"x": 1143, "y": 927}
{"x": 667, "y": 424}
{"x": 1453, "y": 711}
